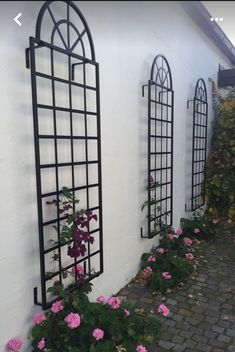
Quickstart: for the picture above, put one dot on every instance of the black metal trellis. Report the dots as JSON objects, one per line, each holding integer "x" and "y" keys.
{"x": 199, "y": 145}
{"x": 160, "y": 147}
{"x": 66, "y": 115}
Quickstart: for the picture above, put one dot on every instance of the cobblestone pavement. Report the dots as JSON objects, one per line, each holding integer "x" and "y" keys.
{"x": 202, "y": 314}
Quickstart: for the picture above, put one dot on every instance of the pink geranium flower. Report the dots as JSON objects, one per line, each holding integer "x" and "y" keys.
{"x": 98, "y": 334}
{"x": 101, "y": 299}
{"x": 14, "y": 345}
{"x": 189, "y": 256}
{"x": 179, "y": 232}
{"x": 39, "y": 318}
{"x": 160, "y": 250}
{"x": 215, "y": 221}
{"x": 187, "y": 241}
{"x": 126, "y": 313}
{"x": 114, "y": 302}
{"x": 166, "y": 275}
{"x": 57, "y": 307}
{"x": 196, "y": 230}
{"x": 170, "y": 236}
{"x": 73, "y": 320}
{"x": 41, "y": 344}
{"x": 148, "y": 270}
{"x": 151, "y": 259}
{"x": 78, "y": 269}
{"x": 164, "y": 310}
{"x": 141, "y": 348}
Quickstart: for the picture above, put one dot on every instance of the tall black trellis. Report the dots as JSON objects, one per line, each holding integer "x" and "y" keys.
{"x": 66, "y": 115}
{"x": 199, "y": 145}
{"x": 160, "y": 147}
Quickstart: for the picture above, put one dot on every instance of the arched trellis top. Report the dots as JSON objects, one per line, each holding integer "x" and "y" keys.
{"x": 65, "y": 40}
{"x": 160, "y": 72}
{"x": 200, "y": 90}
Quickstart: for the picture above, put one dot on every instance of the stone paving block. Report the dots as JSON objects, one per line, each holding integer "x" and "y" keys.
{"x": 190, "y": 343}
{"x": 204, "y": 326}
{"x": 171, "y": 301}
{"x": 199, "y": 338}
{"x": 124, "y": 292}
{"x": 177, "y": 339}
{"x": 146, "y": 300}
{"x": 132, "y": 301}
{"x": 211, "y": 320}
{"x": 185, "y": 313}
{"x": 192, "y": 321}
{"x": 231, "y": 348}
{"x": 216, "y": 343}
{"x": 179, "y": 348}
{"x": 230, "y": 332}
{"x": 218, "y": 329}
{"x": 187, "y": 334}
{"x": 204, "y": 348}
{"x": 166, "y": 344}
{"x": 211, "y": 334}
{"x": 224, "y": 338}
{"x": 224, "y": 324}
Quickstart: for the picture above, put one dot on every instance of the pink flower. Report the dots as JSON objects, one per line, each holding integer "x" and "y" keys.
{"x": 126, "y": 313}
{"x": 179, "y": 232}
{"x": 141, "y": 348}
{"x": 164, "y": 310}
{"x": 114, "y": 302}
{"x": 14, "y": 345}
{"x": 215, "y": 221}
{"x": 170, "y": 236}
{"x": 166, "y": 275}
{"x": 148, "y": 270}
{"x": 57, "y": 307}
{"x": 189, "y": 256}
{"x": 39, "y": 318}
{"x": 41, "y": 344}
{"x": 160, "y": 250}
{"x": 187, "y": 241}
{"x": 73, "y": 320}
{"x": 151, "y": 259}
{"x": 196, "y": 230}
{"x": 98, "y": 334}
{"x": 101, "y": 299}
{"x": 78, "y": 269}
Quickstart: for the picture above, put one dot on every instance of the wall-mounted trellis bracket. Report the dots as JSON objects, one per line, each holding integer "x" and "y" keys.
{"x": 66, "y": 116}
{"x": 199, "y": 146}
{"x": 160, "y": 147}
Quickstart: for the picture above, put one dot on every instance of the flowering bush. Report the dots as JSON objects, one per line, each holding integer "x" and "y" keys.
{"x": 74, "y": 324}
{"x": 200, "y": 226}
{"x": 169, "y": 263}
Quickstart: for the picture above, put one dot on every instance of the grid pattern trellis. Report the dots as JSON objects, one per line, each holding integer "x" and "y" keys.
{"x": 66, "y": 112}
{"x": 199, "y": 145}
{"x": 160, "y": 147}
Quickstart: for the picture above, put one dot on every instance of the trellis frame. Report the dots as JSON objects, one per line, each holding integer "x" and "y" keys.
{"x": 160, "y": 147}
{"x": 199, "y": 145}
{"x": 67, "y": 49}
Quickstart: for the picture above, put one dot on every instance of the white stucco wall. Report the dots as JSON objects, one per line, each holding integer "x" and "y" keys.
{"x": 127, "y": 37}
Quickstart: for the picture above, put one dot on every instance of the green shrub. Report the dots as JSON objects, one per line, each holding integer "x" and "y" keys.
{"x": 169, "y": 263}
{"x": 118, "y": 322}
{"x": 201, "y": 227}
{"x": 220, "y": 180}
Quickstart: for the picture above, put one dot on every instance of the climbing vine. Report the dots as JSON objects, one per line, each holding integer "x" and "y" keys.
{"x": 220, "y": 184}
